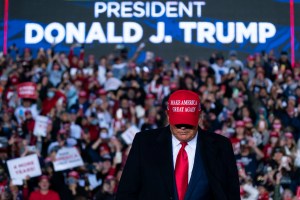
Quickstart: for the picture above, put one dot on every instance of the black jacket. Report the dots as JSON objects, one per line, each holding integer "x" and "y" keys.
{"x": 149, "y": 173}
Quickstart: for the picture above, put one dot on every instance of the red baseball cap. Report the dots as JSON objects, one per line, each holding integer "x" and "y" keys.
{"x": 173, "y": 86}
{"x": 240, "y": 123}
{"x": 27, "y": 112}
{"x": 250, "y": 58}
{"x": 74, "y": 174}
{"x": 83, "y": 94}
{"x": 289, "y": 135}
{"x": 44, "y": 177}
{"x": 274, "y": 134}
{"x": 166, "y": 78}
{"x": 247, "y": 120}
{"x": 184, "y": 108}
{"x": 102, "y": 92}
{"x": 150, "y": 96}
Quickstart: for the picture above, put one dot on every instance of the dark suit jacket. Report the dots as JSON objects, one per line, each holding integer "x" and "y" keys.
{"x": 149, "y": 172}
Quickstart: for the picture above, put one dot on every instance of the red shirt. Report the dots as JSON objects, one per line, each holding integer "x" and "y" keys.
{"x": 48, "y": 104}
{"x": 37, "y": 195}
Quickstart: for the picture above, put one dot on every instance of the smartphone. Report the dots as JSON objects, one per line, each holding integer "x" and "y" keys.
{"x": 284, "y": 161}
{"x": 275, "y": 69}
{"x": 235, "y": 92}
{"x": 261, "y": 124}
{"x": 119, "y": 113}
{"x": 118, "y": 157}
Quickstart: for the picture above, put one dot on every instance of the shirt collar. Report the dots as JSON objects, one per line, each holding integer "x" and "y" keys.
{"x": 192, "y": 143}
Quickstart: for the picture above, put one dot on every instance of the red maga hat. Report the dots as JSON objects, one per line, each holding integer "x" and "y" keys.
{"x": 173, "y": 86}
{"x": 289, "y": 135}
{"x": 74, "y": 174}
{"x": 44, "y": 177}
{"x": 240, "y": 123}
{"x": 166, "y": 78}
{"x": 274, "y": 134}
{"x": 150, "y": 96}
{"x": 250, "y": 58}
{"x": 102, "y": 92}
{"x": 83, "y": 94}
{"x": 184, "y": 108}
{"x": 27, "y": 112}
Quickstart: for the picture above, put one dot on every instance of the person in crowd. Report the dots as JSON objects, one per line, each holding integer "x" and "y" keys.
{"x": 44, "y": 192}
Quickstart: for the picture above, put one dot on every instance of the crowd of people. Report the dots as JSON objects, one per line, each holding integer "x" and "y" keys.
{"x": 91, "y": 101}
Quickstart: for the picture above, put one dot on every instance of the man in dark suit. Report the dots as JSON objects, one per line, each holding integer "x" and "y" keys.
{"x": 180, "y": 161}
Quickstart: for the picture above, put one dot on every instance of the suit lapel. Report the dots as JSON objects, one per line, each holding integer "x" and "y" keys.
{"x": 206, "y": 151}
{"x": 165, "y": 158}
{"x": 195, "y": 173}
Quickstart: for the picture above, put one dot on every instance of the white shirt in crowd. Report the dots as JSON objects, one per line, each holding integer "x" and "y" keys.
{"x": 219, "y": 72}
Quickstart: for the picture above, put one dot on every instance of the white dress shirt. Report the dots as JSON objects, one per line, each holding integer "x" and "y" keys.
{"x": 190, "y": 150}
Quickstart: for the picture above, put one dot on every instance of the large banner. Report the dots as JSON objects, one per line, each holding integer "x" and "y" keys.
{"x": 168, "y": 28}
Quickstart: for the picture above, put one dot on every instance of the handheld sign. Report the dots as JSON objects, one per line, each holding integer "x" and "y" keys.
{"x": 40, "y": 126}
{"x": 20, "y": 168}
{"x": 129, "y": 134}
{"x": 67, "y": 158}
{"x": 27, "y": 90}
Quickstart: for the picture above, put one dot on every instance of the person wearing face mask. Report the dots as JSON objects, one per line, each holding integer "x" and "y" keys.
{"x": 277, "y": 126}
{"x": 93, "y": 127}
{"x": 74, "y": 190}
{"x": 104, "y": 135}
{"x": 273, "y": 142}
{"x": 53, "y": 95}
{"x": 71, "y": 94}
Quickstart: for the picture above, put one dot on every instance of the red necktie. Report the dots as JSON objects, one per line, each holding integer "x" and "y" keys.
{"x": 181, "y": 171}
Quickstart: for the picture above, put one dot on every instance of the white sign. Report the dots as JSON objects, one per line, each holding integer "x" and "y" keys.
{"x": 129, "y": 134}
{"x": 40, "y": 126}
{"x": 112, "y": 84}
{"x": 19, "y": 168}
{"x": 94, "y": 182}
{"x": 67, "y": 158}
{"x": 17, "y": 182}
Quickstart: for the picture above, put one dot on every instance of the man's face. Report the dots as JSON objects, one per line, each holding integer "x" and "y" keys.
{"x": 44, "y": 184}
{"x": 184, "y": 132}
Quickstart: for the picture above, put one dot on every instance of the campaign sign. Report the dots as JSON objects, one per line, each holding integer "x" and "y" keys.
{"x": 27, "y": 90}
{"x": 19, "y": 168}
{"x": 129, "y": 134}
{"x": 40, "y": 126}
{"x": 67, "y": 158}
